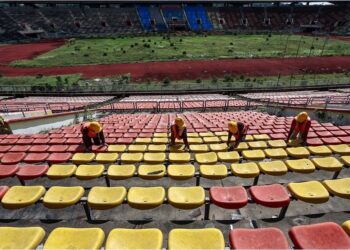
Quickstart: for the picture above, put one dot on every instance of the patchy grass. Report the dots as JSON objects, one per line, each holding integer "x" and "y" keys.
{"x": 39, "y": 80}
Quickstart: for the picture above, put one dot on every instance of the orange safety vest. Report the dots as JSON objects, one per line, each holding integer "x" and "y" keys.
{"x": 301, "y": 127}
{"x": 175, "y": 131}
{"x": 91, "y": 133}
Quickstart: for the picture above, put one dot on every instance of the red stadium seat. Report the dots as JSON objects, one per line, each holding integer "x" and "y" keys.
{"x": 344, "y": 139}
{"x": 59, "y": 158}
{"x": 20, "y": 148}
{"x": 98, "y": 148}
{"x": 278, "y": 136}
{"x": 260, "y": 238}
{"x": 36, "y": 157}
{"x": 40, "y": 136}
{"x": 125, "y": 140}
{"x": 29, "y": 172}
{"x": 8, "y": 141}
{"x": 130, "y": 135}
{"x": 339, "y": 133}
{"x": 72, "y": 141}
{"x": 57, "y": 148}
{"x": 8, "y": 170}
{"x": 76, "y": 149}
{"x": 25, "y": 141}
{"x": 41, "y": 141}
{"x": 4, "y": 148}
{"x": 12, "y": 158}
{"x": 273, "y": 196}
{"x": 324, "y": 134}
{"x": 327, "y": 235}
{"x": 54, "y": 135}
{"x": 331, "y": 141}
{"x": 314, "y": 142}
{"x": 54, "y": 141}
{"x": 145, "y": 135}
{"x": 111, "y": 140}
{"x": 70, "y": 135}
{"x": 3, "y": 190}
{"x": 38, "y": 148}
{"x": 229, "y": 197}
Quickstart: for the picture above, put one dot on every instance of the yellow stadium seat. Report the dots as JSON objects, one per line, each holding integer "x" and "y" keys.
{"x": 249, "y": 138}
{"x": 154, "y": 157}
{"x": 320, "y": 150}
{"x": 75, "y": 238}
{"x": 106, "y": 157}
{"x": 342, "y": 149}
{"x": 310, "y": 191}
{"x": 60, "y": 171}
{"x": 257, "y": 144}
{"x": 218, "y": 147}
{"x": 214, "y": 172}
{"x": 130, "y": 158}
{"x": 22, "y": 196}
{"x": 181, "y": 172}
{"x": 206, "y": 158}
{"x": 206, "y": 134}
{"x": 151, "y": 171}
{"x": 160, "y": 140}
{"x": 199, "y": 148}
{"x": 13, "y": 238}
{"x": 137, "y": 148}
{"x": 156, "y": 148}
{"x": 230, "y": 157}
{"x": 346, "y": 227}
{"x": 177, "y": 148}
{"x": 301, "y": 166}
{"x": 120, "y": 172}
{"x": 293, "y": 143}
{"x": 338, "y": 187}
{"x": 106, "y": 197}
{"x": 160, "y": 135}
{"x": 192, "y": 135}
{"x": 224, "y": 138}
{"x": 273, "y": 167}
{"x": 207, "y": 238}
{"x": 83, "y": 158}
{"x": 212, "y": 139}
{"x": 262, "y": 137}
{"x": 242, "y": 146}
{"x": 276, "y": 153}
{"x": 245, "y": 170}
{"x": 195, "y": 140}
{"x": 120, "y": 148}
{"x": 298, "y": 152}
{"x": 253, "y": 155}
{"x": 186, "y": 197}
{"x": 221, "y": 133}
{"x": 140, "y": 140}
{"x": 277, "y": 143}
{"x": 61, "y": 197}
{"x": 146, "y": 197}
{"x": 142, "y": 239}
{"x": 179, "y": 157}
{"x": 88, "y": 172}
{"x": 328, "y": 163}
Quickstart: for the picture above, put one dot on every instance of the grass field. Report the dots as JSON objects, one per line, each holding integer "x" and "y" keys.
{"x": 39, "y": 80}
{"x": 158, "y": 48}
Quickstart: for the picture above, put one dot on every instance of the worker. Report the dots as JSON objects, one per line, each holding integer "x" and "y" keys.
{"x": 300, "y": 128}
{"x": 179, "y": 131}
{"x": 239, "y": 131}
{"x": 92, "y": 134}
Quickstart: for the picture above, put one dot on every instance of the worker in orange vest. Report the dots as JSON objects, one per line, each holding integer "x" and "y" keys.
{"x": 300, "y": 128}
{"x": 92, "y": 134}
{"x": 179, "y": 131}
{"x": 239, "y": 131}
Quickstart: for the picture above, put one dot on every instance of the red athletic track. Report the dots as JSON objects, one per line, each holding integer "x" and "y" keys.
{"x": 181, "y": 70}
{"x": 9, "y": 53}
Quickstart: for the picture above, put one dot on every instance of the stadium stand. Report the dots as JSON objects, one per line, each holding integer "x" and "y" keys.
{"x": 197, "y": 18}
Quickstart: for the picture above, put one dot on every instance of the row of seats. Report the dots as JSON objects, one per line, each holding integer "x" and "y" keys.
{"x": 235, "y": 197}
{"x": 326, "y": 235}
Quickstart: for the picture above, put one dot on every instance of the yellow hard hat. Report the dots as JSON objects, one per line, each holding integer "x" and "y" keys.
{"x": 301, "y": 117}
{"x": 232, "y": 127}
{"x": 95, "y": 126}
{"x": 179, "y": 122}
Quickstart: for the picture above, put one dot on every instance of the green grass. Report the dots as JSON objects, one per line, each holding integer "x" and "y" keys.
{"x": 39, "y": 80}
{"x": 158, "y": 48}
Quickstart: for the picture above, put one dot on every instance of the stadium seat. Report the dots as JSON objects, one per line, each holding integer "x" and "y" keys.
{"x": 12, "y": 158}
{"x": 218, "y": 147}
{"x": 147, "y": 238}
{"x": 154, "y": 158}
{"x": 58, "y": 158}
{"x": 179, "y": 157}
{"x": 151, "y": 171}
{"x": 83, "y": 158}
{"x": 98, "y": 148}
{"x": 327, "y": 163}
{"x": 245, "y": 170}
{"x": 206, "y": 158}
{"x": 120, "y": 172}
{"x": 143, "y": 140}
{"x": 199, "y": 148}
{"x": 177, "y": 148}
{"x": 192, "y": 134}
{"x": 230, "y": 157}
{"x": 257, "y": 144}
{"x": 206, "y": 134}
{"x": 214, "y": 172}
{"x": 346, "y": 227}
{"x": 298, "y": 152}
{"x": 276, "y": 153}
{"x": 320, "y": 150}
{"x": 57, "y": 148}
{"x": 35, "y": 157}
{"x": 186, "y": 197}
{"x": 311, "y": 191}
{"x": 242, "y": 146}
{"x": 3, "y": 190}
{"x": 258, "y": 238}
{"x": 338, "y": 187}
{"x": 106, "y": 157}
{"x": 208, "y": 238}
{"x": 21, "y": 237}
{"x": 5, "y": 148}
{"x": 87, "y": 172}
{"x": 29, "y": 172}
{"x": 273, "y": 167}
{"x": 8, "y": 170}
{"x": 22, "y": 196}
{"x": 61, "y": 197}
{"x": 131, "y": 158}
{"x": 19, "y": 148}
{"x": 137, "y": 148}
{"x": 160, "y": 135}
{"x": 156, "y": 148}
{"x": 261, "y": 137}
{"x": 331, "y": 140}
{"x": 229, "y": 197}
{"x": 326, "y": 235}
{"x": 212, "y": 139}
{"x": 253, "y": 155}
{"x": 195, "y": 140}
{"x": 75, "y": 238}
{"x": 57, "y": 171}
{"x": 300, "y": 166}
{"x": 273, "y": 196}
{"x": 181, "y": 172}
{"x": 102, "y": 198}
{"x": 125, "y": 141}
{"x": 117, "y": 148}
{"x": 341, "y": 149}
{"x": 146, "y": 197}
